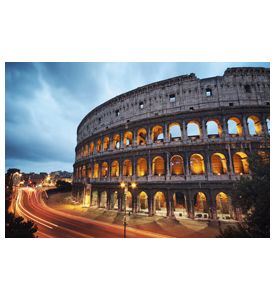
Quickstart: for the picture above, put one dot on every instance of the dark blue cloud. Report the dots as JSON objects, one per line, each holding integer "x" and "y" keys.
{"x": 46, "y": 101}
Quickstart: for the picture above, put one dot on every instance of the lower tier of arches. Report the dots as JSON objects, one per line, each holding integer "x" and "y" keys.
{"x": 190, "y": 202}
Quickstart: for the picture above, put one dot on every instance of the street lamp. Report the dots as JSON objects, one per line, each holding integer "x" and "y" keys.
{"x": 125, "y": 186}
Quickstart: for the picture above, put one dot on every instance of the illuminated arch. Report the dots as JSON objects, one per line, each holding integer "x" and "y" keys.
{"x": 128, "y": 138}
{"x": 129, "y": 200}
{"x": 158, "y": 166}
{"x": 86, "y": 150}
{"x": 127, "y": 168}
{"x": 159, "y": 201}
{"x": 83, "y": 172}
{"x": 89, "y": 171}
{"x": 141, "y": 167}
{"x": 157, "y": 133}
{"x": 254, "y": 125}
{"x": 174, "y": 131}
{"x": 94, "y": 198}
{"x": 176, "y": 164}
{"x": 115, "y": 169}
{"x": 106, "y": 143}
{"x": 200, "y": 204}
{"x": 218, "y": 164}
{"x": 96, "y": 170}
{"x": 116, "y": 141}
{"x": 235, "y": 126}
{"x": 240, "y": 163}
{"x": 222, "y": 204}
{"x": 193, "y": 129}
{"x": 98, "y": 145}
{"x": 103, "y": 199}
{"x": 142, "y": 202}
{"x": 141, "y": 136}
{"x": 213, "y": 127}
{"x": 104, "y": 169}
{"x": 92, "y": 148}
{"x": 179, "y": 201}
{"x": 197, "y": 164}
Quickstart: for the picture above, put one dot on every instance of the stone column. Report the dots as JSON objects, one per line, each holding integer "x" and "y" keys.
{"x": 101, "y": 145}
{"x": 167, "y": 164}
{"x": 208, "y": 165}
{"x": 134, "y": 137}
{"x": 245, "y": 127}
{"x": 121, "y": 140}
{"x": 230, "y": 160}
{"x": 186, "y": 164}
{"x": 184, "y": 132}
{"x": 151, "y": 203}
{"x": 166, "y": 137}
{"x": 111, "y": 143}
{"x": 134, "y": 164}
{"x": 149, "y": 138}
{"x": 204, "y": 131}
{"x": 170, "y": 204}
{"x": 224, "y": 128}
{"x": 264, "y": 126}
{"x": 149, "y": 164}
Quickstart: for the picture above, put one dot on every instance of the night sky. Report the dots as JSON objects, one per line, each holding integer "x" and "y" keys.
{"x": 45, "y": 102}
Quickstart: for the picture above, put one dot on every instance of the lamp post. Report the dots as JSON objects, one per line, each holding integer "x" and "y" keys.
{"x": 124, "y": 186}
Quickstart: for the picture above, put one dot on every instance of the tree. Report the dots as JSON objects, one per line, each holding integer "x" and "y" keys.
{"x": 16, "y": 227}
{"x": 252, "y": 195}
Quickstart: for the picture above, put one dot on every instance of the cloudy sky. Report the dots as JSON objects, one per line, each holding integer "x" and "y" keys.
{"x": 46, "y": 101}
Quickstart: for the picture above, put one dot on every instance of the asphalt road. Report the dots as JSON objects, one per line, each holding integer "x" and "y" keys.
{"x": 52, "y": 223}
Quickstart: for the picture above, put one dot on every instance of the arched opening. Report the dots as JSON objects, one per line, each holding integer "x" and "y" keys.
{"x": 94, "y": 199}
{"x": 218, "y": 163}
{"x": 193, "y": 129}
{"x": 180, "y": 205}
{"x": 268, "y": 125}
{"x": 157, "y": 134}
{"x": 174, "y": 132}
{"x": 160, "y": 203}
{"x": 83, "y": 172}
{"x": 128, "y": 138}
{"x": 98, "y": 146}
{"x": 115, "y": 169}
{"x": 240, "y": 163}
{"x": 234, "y": 126}
{"x": 104, "y": 169}
{"x": 222, "y": 206}
{"x": 197, "y": 164}
{"x": 200, "y": 205}
{"x": 129, "y": 200}
{"x": 106, "y": 143}
{"x": 141, "y": 136}
{"x": 158, "y": 166}
{"x": 254, "y": 125}
{"x": 176, "y": 165}
{"x": 89, "y": 171}
{"x": 116, "y": 141}
{"x": 142, "y": 202}
{"x": 127, "y": 168}
{"x": 87, "y": 198}
{"x": 114, "y": 200}
{"x": 91, "y": 148}
{"x": 103, "y": 199}
{"x": 96, "y": 170}
{"x": 213, "y": 128}
{"x": 86, "y": 150}
{"x": 141, "y": 167}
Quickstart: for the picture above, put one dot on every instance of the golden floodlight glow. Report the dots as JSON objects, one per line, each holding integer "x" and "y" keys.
{"x": 133, "y": 185}
{"x": 122, "y": 185}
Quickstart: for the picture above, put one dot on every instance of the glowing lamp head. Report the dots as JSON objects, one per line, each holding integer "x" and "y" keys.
{"x": 122, "y": 185}
{"x": 133, "y": 185}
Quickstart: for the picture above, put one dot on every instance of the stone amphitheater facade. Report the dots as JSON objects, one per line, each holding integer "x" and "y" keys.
{"x": 178, "y": 145}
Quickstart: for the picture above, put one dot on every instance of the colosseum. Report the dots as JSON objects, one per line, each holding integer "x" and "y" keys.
{"x": 174, "y": 147}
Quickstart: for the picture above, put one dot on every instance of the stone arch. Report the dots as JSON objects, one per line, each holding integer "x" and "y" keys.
{"x": 142, "y": 202}
{"x": 98, "y": 145}
{"x": 223, "y": 205}
{"x": 157, "y": 134}
{"x": 176, "y": 165}
{"x": 235, "y": 126}
{"x": 114, "y": 200}
{"x": 160, "y": 203}
{"x": 127, "y": 168}
{"x": 200, "y": 205}
{"x": 193, "y": 129}
{"x": 96, "y": 170}
{"x": 116, "y": 141}
{"x": 115, "y": 169}
{"x": 104, "y": 169}
{"x": 141, "y": 136}
{"x": 218, "y": 163}
{"x": 94, "y": 198}
{"x": 180, "y": 204}
{"x": 213, "y": 127}
{"x": 174, "y": 131}
{"x": 254, "y": 125}
{"x": 158, "y": 166}
{"x": 240, "y": 163}
{"x": 197, "y": 166}
{"x": 106, "y": 143}
{"x": 103, "y": 199}
{"x": 142, "y": 167}
{"x": 128, "y": 138}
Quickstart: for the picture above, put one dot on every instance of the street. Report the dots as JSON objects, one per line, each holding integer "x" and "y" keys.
{"x": 57, "y": 224}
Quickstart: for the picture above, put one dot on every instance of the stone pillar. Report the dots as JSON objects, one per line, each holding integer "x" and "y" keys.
{"x": 134, "y": 201}
{"x": 186, "y": 164}
{"x": 149, "y": 137}
{"x": 208, "y": 165}
{"x": 134, "y": 164}
{"x": 151, "y": 203}
{"x": 101, "y": 144}
{"x": 204, "y": 131}
{"x": 170, "y": 204}
{"x": 264, "y": 127}
{"x": 149, "y": 164}
{"x": 111, "y": 143}
{"x": 120, "y": 199}
{"x": 167, "y": 164}
{"x": 231, "y": 168}
{"x": 109, "y": 169}
{"x": 190, "y": 205}
{"x": 245, "y": 127}
{"x": 166, "y": 137}
{"x": 224, "y": 128}
{"x": 121, "y": 140}
{"x": 120, "y": 167}
{"x": 108, "y": 199}
{"x": 184, "y": 132}
{"x": 134, "y": 137}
